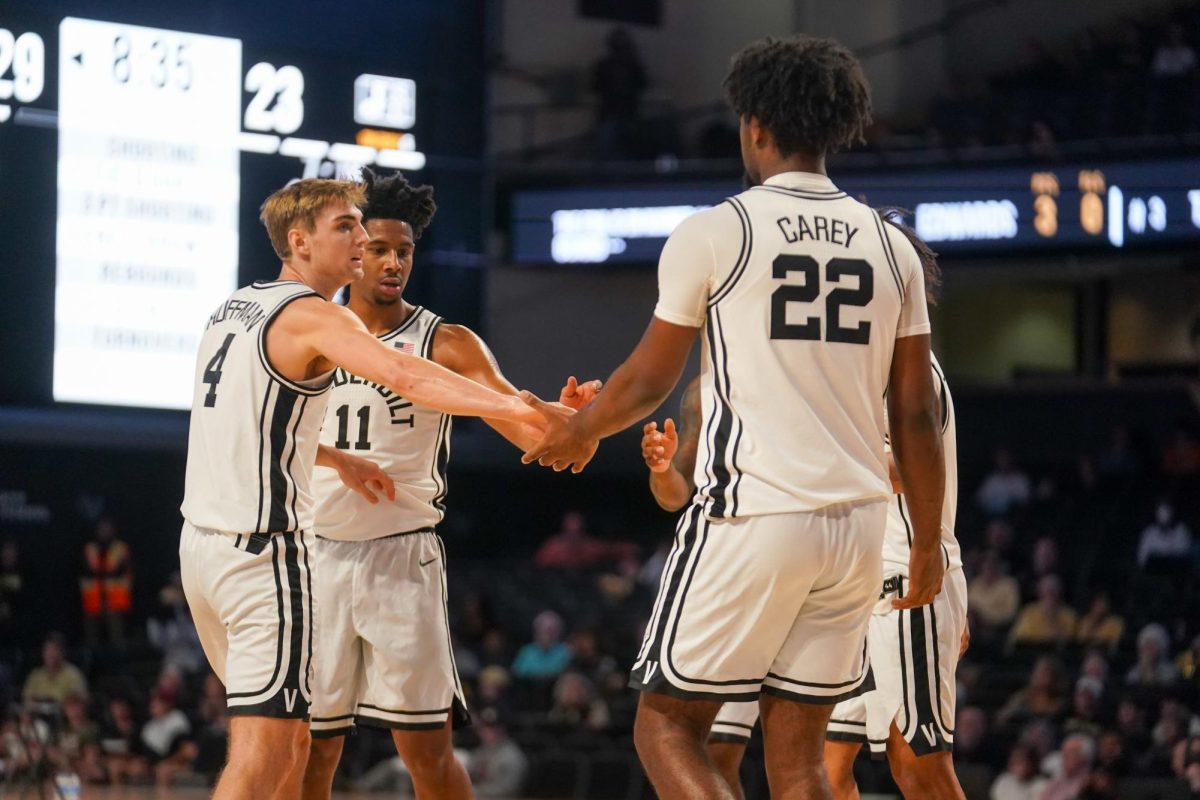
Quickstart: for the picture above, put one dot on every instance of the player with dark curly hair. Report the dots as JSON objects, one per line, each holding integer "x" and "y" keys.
{"x": 379, "y": 582}
{"x": 808, "y": 306}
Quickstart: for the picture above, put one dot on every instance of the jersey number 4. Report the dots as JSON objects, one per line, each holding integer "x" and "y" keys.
{"x": 212, "y": 372}
{"x": 810, "y": 329}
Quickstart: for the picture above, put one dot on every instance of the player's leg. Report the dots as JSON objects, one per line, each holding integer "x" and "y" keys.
{"x": 930, "y": 776}
{"x": 839, "y": 766}
{"x": 844, "y": 737}
{"x": 919, "y": 744}
{"x": 669, "y": 734}
{"x": 256, "y": 587}
{"x": 728, "y": 738}
{"x": 412, "y": 685}
{"x": 429, "y": 756}
{"x": 338, "y": 679}
{"x": 324, "y": 755}
{"x": 823, "y": 661}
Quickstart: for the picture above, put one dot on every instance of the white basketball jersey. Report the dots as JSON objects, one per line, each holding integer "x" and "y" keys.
{"x": 410, "y": 443}
{"x": 252, "y": 441}
{"x": 802, "y": 292}
{"x": 897, "y": 537}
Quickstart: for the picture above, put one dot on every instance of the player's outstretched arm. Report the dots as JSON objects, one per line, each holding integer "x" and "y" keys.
{"x": 358, "y": 474}
{"x": 917, "y": 448}
{"x": 636, "y": 388}
{"x": 334, "y": 334}
{"x": 462, "y": 351}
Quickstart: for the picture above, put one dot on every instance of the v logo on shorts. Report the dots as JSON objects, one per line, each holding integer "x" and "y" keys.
{"x": 289, "y": 698}
{"x": 651, "y": 668}
{"x": 930, "y": 734}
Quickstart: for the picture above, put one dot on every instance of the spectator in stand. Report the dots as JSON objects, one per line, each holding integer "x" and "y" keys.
{"x": 1118, "y": 460}
{"x": 1181, "y": 456}
{"x": 173, "y": 633}
{"x": 497, "y": 767}
{"x": 78, "y": 745}
{"x": 1078, "y": 754}
{"x": 577, "y": 704}
{"x": 546, "y": 656}
{"x": 1047, "y": 620}
{"x": 573, "y": 548}
{"x": 1131, "y": 726}
{"x": 993, "y": 595}
{"x": 106, "y": 586}
{"x": 1043, "y": 562}
{"x": 586, "y": 657}
{"x": 1020, "y": 781}
{"x": 1153, "y": 669}
{"x": 1188, "y": 662}
{"x": 1099, "y": 626}
{"x": 618, "y": 79}
{"x": 971, "y": 744}
{"x": 1171, "y": 729}
{"x": 495, "y": 649}
{"x": 1165, "y": 538}
{"x": 11, "y": 587}
{"x": 493, "y": 689}
{"x": 121, "y": 742}
{"x": 1084, "y": 716}
{"x": 1041, "y": 697}
{"x": 1005, "y": 488}
{"x": 212, "y": 734}
{"x": 167, "y": 739}
{"x": 57, "y": 678}
{"x": 1095, "y": 667}
{"x": 1111, "y": 756}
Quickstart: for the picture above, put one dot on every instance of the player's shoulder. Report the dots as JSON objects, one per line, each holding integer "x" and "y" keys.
{"x": 454, "y": 345}
{"x": 710, "y": 222}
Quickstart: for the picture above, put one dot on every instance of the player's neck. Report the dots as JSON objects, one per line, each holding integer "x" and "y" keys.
{"x": 793, "y": 163}
{"x": 380, "y": 319}
{"x": 326, "y": 288}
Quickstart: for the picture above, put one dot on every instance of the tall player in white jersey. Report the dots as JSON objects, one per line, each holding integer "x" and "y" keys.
{"x": 263, "y": 374}
{"x": 810, "y": 308}
{"x": 922, "y": 767}
{"x": 383, "y": 650}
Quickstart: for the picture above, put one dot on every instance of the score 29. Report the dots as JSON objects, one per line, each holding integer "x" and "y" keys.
{"x": 24, "y": 58}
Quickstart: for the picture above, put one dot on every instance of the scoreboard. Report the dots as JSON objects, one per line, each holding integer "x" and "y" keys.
{"x": 136, "y": 158}
{"x": 1062, "y": 207}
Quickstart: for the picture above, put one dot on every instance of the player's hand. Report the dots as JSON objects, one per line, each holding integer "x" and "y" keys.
{"x": 561, "y": 446}
{"x": 658, "y": 448}
{"x": 965, "y": 641}
{"x": 365, "y": 478}
{"x": 576, "y": 395}
{"x": 925, "y": 571}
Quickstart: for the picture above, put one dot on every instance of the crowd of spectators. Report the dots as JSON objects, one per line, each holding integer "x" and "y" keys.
{"x": 1083, "y": 672}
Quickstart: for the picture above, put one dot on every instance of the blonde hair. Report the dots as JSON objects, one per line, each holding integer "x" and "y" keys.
{"x": 299, "y": 203}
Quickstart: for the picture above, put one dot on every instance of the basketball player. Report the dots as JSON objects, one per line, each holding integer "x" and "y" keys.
{"x": 263, "y": 375}
{"x": 379, "y": 584}
{"x": 921, "y": 770}
{"x": 811, "y": 306}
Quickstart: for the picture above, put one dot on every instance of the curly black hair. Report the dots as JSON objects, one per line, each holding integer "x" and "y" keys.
{"x": 393, "y": 197}
{"x": 810, "y": 93}
{"x": 928, "y": 256}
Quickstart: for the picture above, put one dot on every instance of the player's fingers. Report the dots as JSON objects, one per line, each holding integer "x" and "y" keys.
{"x": 361, "y": 488}
{"x": 533, "y": 400}
{"x": 383, "y": 484}
{"x": 593, "y": 386}
{"x": 649, "y": 427}
{"x": 532, "y": 455}
{"x": 669, "y": 428}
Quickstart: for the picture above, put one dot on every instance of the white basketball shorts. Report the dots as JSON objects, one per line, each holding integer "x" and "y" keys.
{"x": 914, "y": 655}
{"x": 383, "y": 654}
{"x": 776, "y": 603}
{"x": 249, "y": 597}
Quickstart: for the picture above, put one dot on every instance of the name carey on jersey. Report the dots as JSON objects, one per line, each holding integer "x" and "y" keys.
{"x": 396, "y": 404}
{"x": 799, "y": 228}
{"x": 247, "y": 312}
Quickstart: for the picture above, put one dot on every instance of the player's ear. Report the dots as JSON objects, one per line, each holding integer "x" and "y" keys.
{"x": 298, "y": 241}
{"x": 759, "y": 136}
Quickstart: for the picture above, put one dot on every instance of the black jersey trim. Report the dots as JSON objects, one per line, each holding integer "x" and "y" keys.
{"x": 719, "y": 737}
{"x": 736, "y": 480}
{"x": 739, "y": 267}
{"x": 905, "y": 645}
{"x": 661, "y": 599}
{"x": 403, "y": 326}
{"x": 297, "y": 666}
{"x": 262, "y": 442}
{"x": 295, "y": 487}
{"x": 273, "y": 284}
{"x": 440, "y": 462}
{"x": 842, "y": 685}
{"x": 278, "y": 518}
{"x": 947, "y": 731}
{"x": 887, "y": 252}
{"x": 463, "y": 716}
{"x": 427, "y": 341}
{"x": 299, "y": 388}
{"x": 669, "y": 591}
{"x": 308, "y": 629}
{"x": 803, "y": 194}
{"x": 944, "y": 393}
{"x": 722, "y": 489}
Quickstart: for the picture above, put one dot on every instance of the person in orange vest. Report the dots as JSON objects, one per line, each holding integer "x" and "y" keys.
{"x": 106, "y": 586}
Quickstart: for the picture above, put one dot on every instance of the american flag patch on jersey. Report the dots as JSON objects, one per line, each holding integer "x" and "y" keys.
{"x": 406, "y": 347}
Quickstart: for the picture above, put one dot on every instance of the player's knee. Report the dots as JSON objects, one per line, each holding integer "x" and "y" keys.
{"x": 427, "y": 757}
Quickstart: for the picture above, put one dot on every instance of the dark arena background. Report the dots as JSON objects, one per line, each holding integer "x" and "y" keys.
{"x": 1049, "y": 150}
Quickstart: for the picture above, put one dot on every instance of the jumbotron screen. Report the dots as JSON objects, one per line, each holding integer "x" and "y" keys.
{"x": 136, "y": 158}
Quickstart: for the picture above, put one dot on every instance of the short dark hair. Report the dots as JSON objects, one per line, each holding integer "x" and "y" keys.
{"x": 393, "y": 197}
{"x": 810, "y": 93}
{"x": 928, "y": 256}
